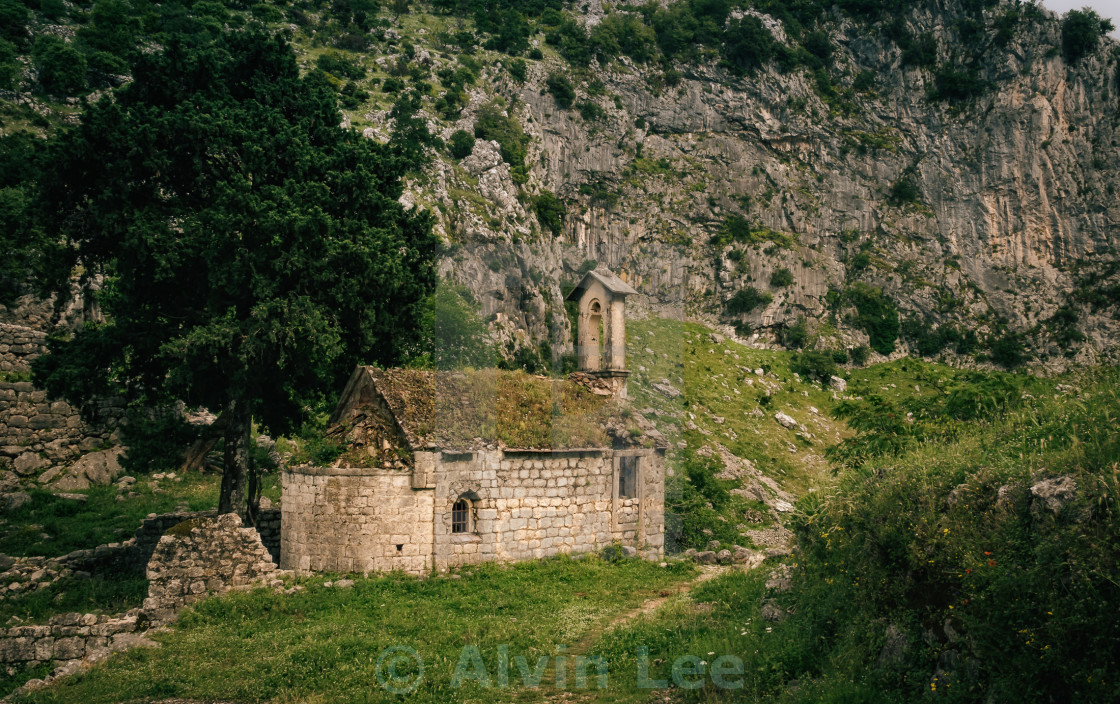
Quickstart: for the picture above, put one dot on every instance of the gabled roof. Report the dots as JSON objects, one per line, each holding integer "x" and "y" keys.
{"x": 604, "y": 276}
{"x": 386, "y": 414}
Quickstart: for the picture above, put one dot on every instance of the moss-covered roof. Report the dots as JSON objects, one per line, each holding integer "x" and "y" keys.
{"x": 386, "y": 414}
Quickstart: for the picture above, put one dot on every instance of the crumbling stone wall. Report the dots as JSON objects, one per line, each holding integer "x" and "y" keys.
{"x": 523, "y": 505}
{"x": 37, "y": 435}
{"x": 68, "y": 638}
{"x": 202, "y": 557}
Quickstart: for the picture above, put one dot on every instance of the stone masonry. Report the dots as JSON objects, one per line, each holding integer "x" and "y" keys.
{"x": 37, "y": 436}
{"x": 522, "y": 504}
{"x": 202, "y": 557}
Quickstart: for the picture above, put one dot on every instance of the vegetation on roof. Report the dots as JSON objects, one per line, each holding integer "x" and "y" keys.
{"x": 473, "y": 408}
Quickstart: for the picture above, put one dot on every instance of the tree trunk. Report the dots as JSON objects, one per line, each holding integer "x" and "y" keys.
{"x": 235, "y": 471}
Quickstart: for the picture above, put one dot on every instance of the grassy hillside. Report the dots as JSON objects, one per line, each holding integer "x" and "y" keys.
{"x": 955, "y": 535}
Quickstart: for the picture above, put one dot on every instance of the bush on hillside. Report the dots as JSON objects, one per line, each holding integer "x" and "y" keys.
{"x": 746, "y": 300}
{"x": 561, "y": 89}
{"x": 62, "y": 69}
{"x": 1081, "y": 33}
{"x": 461, "y": 144}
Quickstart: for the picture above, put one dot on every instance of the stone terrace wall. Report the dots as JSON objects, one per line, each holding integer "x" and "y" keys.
{"x": 353, "y": 520}
{"x": 37, "y": 435}
{"x": 68, "y": 638}
{"x": 202, "y": 557}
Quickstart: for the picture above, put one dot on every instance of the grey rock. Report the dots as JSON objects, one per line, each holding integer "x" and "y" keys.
{"x": 784, "y": 420}
{"x": 1053, "y": 494}
{"x": 838, "y": 384}
{"x": 706, "y": 557}
{"x": 15, "y": 500}
{"x": 723, "y": 557}
{"x": 772, "y": 612}
{"x": 26, "y": 464}
{"x": 895, "y": 646}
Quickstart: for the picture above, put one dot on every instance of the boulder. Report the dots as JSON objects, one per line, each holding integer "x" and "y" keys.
{"x": 706, "y": 558}
{"x": 837, "y": 383}
{"x": 26, "y": 464}
{"x": 895, "y": 646}
{"x": 723, "y": 557}
{"x": 628, "y": 551}
{"x": 772, "y": 612}
{"x": 666, "y": 389}
{"x": 13, "y": 501}
{"x": 1053, "y": 494}
{"x": 784, "y": 420}
{"x": 96, "y": 468}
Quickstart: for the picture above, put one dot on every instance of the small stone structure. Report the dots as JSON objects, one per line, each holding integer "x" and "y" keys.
{"x": 601, "y": 331}
{"x": 443, "y": 469}
{"x": 202, "y": 557}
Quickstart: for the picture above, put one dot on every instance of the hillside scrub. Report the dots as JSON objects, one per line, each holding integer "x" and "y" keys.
{"x": 986, "y": 553}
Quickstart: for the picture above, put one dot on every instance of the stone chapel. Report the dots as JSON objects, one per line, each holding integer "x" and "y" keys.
{"x": 443, "y": 469}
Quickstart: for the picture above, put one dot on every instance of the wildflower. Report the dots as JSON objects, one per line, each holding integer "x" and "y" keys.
{"x": 991, "y": 563}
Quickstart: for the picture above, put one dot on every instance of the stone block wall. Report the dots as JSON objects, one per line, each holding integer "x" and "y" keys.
{"x": 68, "y": 638}
{"x": 523, "y": 505}
{"x": 354, "y": 520}
{"x": 268, "y": 525}
{"x": 529, "y": 505}
{"x": 202, "y": 557}
{"x": 37, "y": 435}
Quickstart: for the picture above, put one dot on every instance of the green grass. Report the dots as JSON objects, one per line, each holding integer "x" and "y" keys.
{"x": 100, "y": 594}
{"x": 71, "y": 525}
{"x": 323, "y": 644}
{"x": 713, "y": 379}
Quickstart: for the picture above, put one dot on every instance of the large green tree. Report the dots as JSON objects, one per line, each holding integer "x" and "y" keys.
{"x": 252, "y": 251}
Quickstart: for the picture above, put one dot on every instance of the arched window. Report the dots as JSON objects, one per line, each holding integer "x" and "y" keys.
{"x": 461, "y": 516}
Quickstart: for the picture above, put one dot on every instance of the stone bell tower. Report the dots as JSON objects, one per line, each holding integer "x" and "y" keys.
{"x": 601, "y": 334}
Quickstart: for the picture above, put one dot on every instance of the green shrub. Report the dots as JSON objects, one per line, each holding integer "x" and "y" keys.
{"x": 351, "y": 96}
{"x": 550, "y": 212}
{"x": 876, "y": 315}
{"x": 561, "y": 89}
{"x": 535, "y": 54}
{"x": 921, "y": 52}
{"x": 746, "y": 300}
{"x": 1081, "y": 33}
{"x": 813, "y": 364}
{"x": 748, "y": 44}
{"x": 781, "y": 278}
{"x": 591, "y": 111}
{"x": 905, "y": 190}
{"x": 340, "y": 65}
{"x": 956, "y": 85}
{"x": 491, "y": 123}
{"x": 461, "y": 144}
{"x": 859, "y": 355}
{"x": 518, "y": 69}
{"x": 1008, "y": 350}
{"x": 945, "y": 543}
{"x": 796, "y": 336}
{"x": 13, "y": 22}
{"x": 62, "y": 69}
{"x": 10, "y": 68}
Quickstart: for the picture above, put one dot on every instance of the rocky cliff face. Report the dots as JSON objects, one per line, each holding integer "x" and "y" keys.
{"x": 1009, "y": 198}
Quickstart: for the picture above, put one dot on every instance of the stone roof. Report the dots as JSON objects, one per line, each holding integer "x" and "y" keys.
{"x": 386, "y": 414}
{"x": 606, "y": 277}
